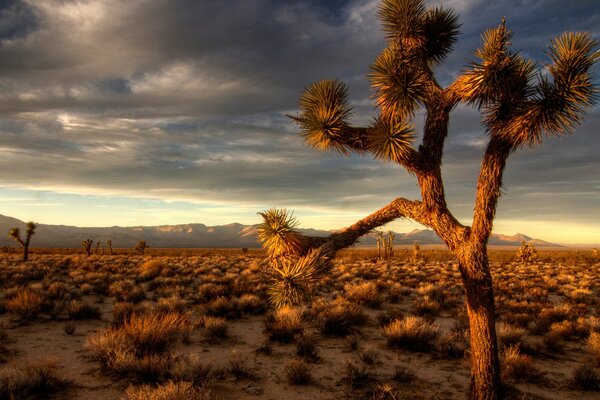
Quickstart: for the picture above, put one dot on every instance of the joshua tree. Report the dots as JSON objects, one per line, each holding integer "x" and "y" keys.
{"x": 109, "y": 244}
{"x": 389, "y": 250}
{"x": 87, "y": 246}
{"x": 140, "y": 247}
{"x": 98, "y": 247}
{"x": 526, "y": 253}
{"x": 29, "y": 232}
{"x": 520, "y": 106}
{"x": 416, "y": 249}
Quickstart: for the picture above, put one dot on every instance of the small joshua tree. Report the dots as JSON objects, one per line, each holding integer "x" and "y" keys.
{"x": 87, "y": 246}
{"x": 526, "y": 253}
{"x": 97, "y": 251}
{"x": 140, "y": 247}
{"x": 416, "y": 249}
{"x": 520, "y": 106}
{"x": 109, "y": 244}
{"x": 15, "y": 234}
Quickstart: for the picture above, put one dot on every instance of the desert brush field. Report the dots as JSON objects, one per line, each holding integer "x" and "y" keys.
{"x": 198, "y": 324}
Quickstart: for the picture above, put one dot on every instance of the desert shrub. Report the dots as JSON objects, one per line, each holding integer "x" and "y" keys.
{"x": 251, "y": 304}
{"x": 433, "y": 292}
{"x": 403, "y": 374}
{"x": 150, "y": 269}
{"x": 426, "y": 306}
{"x": 382, "y": 391}
{"x": 388, "y": 316}
{"x": 369, "y": 355}
{"x": 297, "y": 372}
{"x": 223, "y": 307}
{"x": 283, "y": 324}
{"x": 57, "y": 290}
{"x": 353, "y": 341}
{"x": 192, "y": 368}
{"x": 363, "y": 293}
{"x": 411, "y": 333}
{"x": 306, "y": 346}
{"x": 451, "y": 344}
{"x": 35, "y": 380}
{"x": 83, "y": 310}
{"x": 508, "y": 334}
{"x": 25, "y": 305}
{"x": 171, "y": 304}
{"x": 593, "y": 346}
{"x": 339, "y": 317}
{"x": 357, "y": 376}
{"x": 238, "y": 365}
{"x": 586, "y": 377}
{"x": 209, "y": 291}
{"x": 518, "y": 367}
{"x": 168, "y": 391}
{"x": 139, "y": 345}
{"x": 122, "y": 311}
{"x": 215, "y": 328}
{"x": 69, "y": 328}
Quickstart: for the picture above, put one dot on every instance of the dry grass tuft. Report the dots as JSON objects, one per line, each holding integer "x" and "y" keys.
{"x": 411, "y": 333}
{"x": 167, "y": 391}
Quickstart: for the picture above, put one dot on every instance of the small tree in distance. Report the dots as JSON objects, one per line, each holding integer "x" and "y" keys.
{"x": 520, "y": 105}
{"x": 15, "y": 234}
{"x": 87, "y": 246}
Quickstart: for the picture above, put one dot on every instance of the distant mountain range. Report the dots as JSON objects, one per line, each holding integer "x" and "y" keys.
{"x": 200, "y": 235}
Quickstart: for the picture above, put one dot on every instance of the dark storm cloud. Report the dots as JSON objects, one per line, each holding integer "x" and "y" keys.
{"x": 186, "y": 100}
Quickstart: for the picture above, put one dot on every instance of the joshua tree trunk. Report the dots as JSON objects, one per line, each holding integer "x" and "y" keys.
{"x": 485, "y": 365}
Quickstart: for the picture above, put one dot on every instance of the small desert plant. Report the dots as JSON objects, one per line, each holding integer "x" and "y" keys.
{"x": 339, "y": 317}
{"x": 586, "y": 377}
{"x": 593, "y": 346}
{"x": 353, "y": 341}
{"x": 509, "y": 335}
{"x": 451, "y": 345}
{"x": 150, "y": 269}
{"x": 215, "y": 328}
{"x": 35, "y": 380}
{"x": 83, "y": 310}
{"x": 357, "y": 376}
{"x": 223, "y": 307}
{"x": 518, "y": 367}
{"x": 251, "y": 304}
{"x": 363, "y": 293}
{"x": 369, "y": 355}
{"x": 168, "y": 391}
{"x": 16, "y": 235}
{"x": 69, "y": 328}
{"x": 238, "y": 365}
{"x": 283, "y": 324}
{"x": 306, "y": 346}
{"x": 109, "y": 243}
{"x": 411, "y": 333}
{"x": 25, "y": 305}
{"x": 297, "y": 372}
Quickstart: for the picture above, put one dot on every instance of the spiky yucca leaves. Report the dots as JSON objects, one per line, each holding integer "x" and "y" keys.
{"x": 295, "y": 278}
{"x": 500, "y": 77}
{"x": 391, "y": 141}
{"x": 325, "y": 112}
{"x": 431, "y": 33}
{"x": 400, "y": 84}
{"x": 278, "y": 234}
{"x": 557, "y": 105}
{"x": 15, "y": 233}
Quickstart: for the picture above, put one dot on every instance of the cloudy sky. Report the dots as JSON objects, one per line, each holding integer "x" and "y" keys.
{"x": 145, "y": 112}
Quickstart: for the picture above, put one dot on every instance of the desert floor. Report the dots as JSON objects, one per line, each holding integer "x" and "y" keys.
{"x": 201, "y": 325}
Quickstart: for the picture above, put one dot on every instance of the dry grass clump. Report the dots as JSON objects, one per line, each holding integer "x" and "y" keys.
{"x": 452, "y": 344}
{"x": 283, "y": 324}
{"x": 168, "y": 391}
{"x": 339, "y": 317}
{"x": 238, "y": 365}
{"x": 411, "y": 333}
{"x": 592, "y": 344}
{"x": 25, "y": 305}
{"x": 365, "y": 293}
{"x": 223, "y": 307}
{"x": 297, "y": 372}
{"x": 306, "y": 346}
{"x": 586, "y": 377}
{"x": 35, "y": 380}
{"x": 251, "y": 304}
{"x": 139, "y": 345}
{"x": 215, "y": 328}
{"x": 508, "y": 334}
{"x": 82, "y": 310}
{"x": 517, "y": 367}
{"x": 150, "y": 269}
{"x": 357, "y": 376}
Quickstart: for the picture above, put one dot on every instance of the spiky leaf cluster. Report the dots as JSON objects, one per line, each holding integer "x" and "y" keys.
{"x": 391, "y": 140}
{"x": 278, "y": 234}
{"x": 15, "y": 233}
{"x": 295, "y": 278}
{"x": 558, "y": 104}
{"x": 501, "y": 77}
{"x": 324, "y": 116}
{"x": 31, "y": 229}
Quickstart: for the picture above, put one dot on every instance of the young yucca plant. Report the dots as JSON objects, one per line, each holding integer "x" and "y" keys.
{"x": 278, "y": 233}
{"x": 15, "y": 234}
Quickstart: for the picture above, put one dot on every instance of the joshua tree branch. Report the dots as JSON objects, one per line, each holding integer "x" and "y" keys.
{"x": 489, "y": 184}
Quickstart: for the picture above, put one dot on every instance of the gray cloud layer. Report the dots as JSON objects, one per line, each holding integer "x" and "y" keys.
{"x": 185, "y": 99}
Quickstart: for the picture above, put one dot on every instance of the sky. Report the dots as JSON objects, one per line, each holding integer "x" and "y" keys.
{"x": 148, "y": 112}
